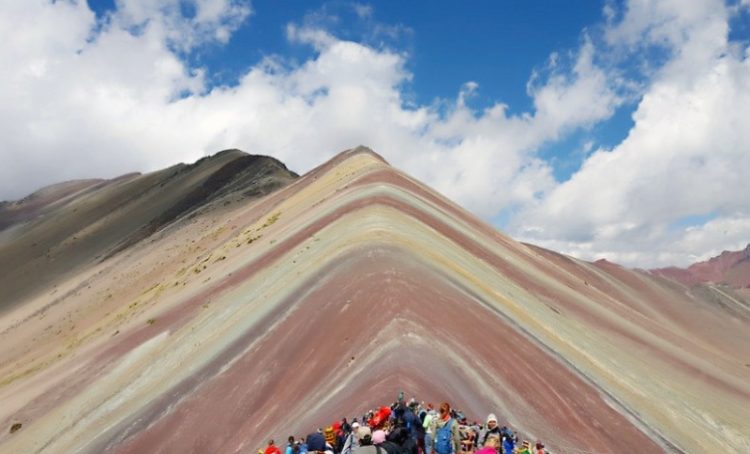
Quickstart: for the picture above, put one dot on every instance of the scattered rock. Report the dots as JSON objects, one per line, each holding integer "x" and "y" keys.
{"x": 15, "y": 427}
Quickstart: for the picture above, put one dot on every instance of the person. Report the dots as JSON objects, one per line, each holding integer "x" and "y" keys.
{"x": 539, "y": 448}
{"x": 379, "y": 439}
{"x": 290, "y": 445}
{"x": 401, "y": 437}
{"x": 490, "y": 446}
{"x": 509, "y": 442}
{"x": 271, "y": 448}
{"x": 468, "y": 438}
{"x": 525, "y": 448}
{"x": 491, "y": 429}
{"x": 316, "y": 443}
{"x": 330, "y": 437}
{"x": 338, "y": 432}
{"x": 352, "y": 442}
{"x": 447, "y": 438}
{"x": 429, "y": 429}
{"x": 365, "y": 442}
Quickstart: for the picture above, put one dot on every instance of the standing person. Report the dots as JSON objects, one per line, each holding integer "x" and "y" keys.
{"x": 352, "y": 442}
{"x": 509, "y": 442}
{"x": 539, "y": 448}
{"x": 316, "y": 444}
{"x": 525, "y": 448}
{"x": 330, "y": 437}
{"x": 271, "y": 448}
{"x": 491, "y": 429}
{"x": 365, "y": 442}
{"x": 429, "y": 429}
{"x": 447, "y": 438}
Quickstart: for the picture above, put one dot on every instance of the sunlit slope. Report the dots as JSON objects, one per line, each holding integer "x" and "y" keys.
{"x": 328, "y": 296}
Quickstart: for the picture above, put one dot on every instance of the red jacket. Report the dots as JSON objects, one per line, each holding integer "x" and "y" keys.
{"x": 272, "y": 449}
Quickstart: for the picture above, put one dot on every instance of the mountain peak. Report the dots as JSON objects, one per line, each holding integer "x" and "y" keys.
{"x": 195, "y": 308}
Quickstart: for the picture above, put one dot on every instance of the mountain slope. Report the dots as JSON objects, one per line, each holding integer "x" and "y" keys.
{"x": 328, "y": 296}
{"x": 66, "y": 227}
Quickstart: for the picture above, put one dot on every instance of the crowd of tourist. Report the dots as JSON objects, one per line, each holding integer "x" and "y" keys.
{"x": 410, "y": 428}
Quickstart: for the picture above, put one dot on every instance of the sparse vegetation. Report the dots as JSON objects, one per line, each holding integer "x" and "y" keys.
{"x": 272, "y": 219}
{"x": 151, "y": 321}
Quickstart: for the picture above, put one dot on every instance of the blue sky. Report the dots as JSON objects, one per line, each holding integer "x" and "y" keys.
{"x": 606, "y": 128}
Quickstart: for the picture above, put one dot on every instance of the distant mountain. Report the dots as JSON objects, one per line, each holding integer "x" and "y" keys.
{"x": 214, "y": 306}
{"x": 730, "y": 267}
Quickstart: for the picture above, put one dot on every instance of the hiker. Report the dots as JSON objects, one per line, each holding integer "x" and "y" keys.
{"x": 289, "y": 445}
{"x": 429, "y": 429}
{"x": 329, "y": 436}
{"x": 351, "y": 442}
{"x": 271, "y": 448}
{"x": 339, "y": 434}
{"x": 316, "y": 443}
{"x": 379, "y": 439}
{"x": 490, "y": 446}
{"x": 540, "y": 448}
{"x": 365, "y": 442}
{"x": 468, "y": 438}
{"x": 447, "y": 438}
{"x": 525, "y": 448}
{"x": 401, "y": 437}
{"x": 489, "y": 430}
{"x": 509, "y": 442}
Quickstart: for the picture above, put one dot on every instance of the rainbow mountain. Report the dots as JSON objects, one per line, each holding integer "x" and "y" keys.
{"x": 210, "y": 307}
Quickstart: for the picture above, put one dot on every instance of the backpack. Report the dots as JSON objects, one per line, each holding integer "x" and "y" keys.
{"x": 443, "y": 440}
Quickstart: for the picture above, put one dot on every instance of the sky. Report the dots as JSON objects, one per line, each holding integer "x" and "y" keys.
{"x": 600, "y": 129}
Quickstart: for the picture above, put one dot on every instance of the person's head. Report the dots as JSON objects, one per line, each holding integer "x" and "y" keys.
{"x": 316, "y": 442}
{"x": 539, "y": 445}
{"x": 270, "y": 442}
{"x": 445, "y": 409}
{"x": 493, "y": 441}
{"x": 491, "y": 421}
{"x": 363, "y": 432}
{"x": 355, "y": 426}
{"x": 291, "y": 439}
{"x": 378, "y": 437}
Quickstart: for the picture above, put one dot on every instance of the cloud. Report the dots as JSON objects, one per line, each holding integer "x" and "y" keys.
{"x": 684, "y": 157}
{"x": 363, "y": 11}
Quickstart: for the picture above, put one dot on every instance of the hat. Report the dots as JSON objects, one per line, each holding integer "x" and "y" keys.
{"x": 378, "y": 437}
{"x": 363, "y": 432}
{"x": 316, "y": 442}
{"x": 491, "y": 417}
{"x": 355, "y": 425}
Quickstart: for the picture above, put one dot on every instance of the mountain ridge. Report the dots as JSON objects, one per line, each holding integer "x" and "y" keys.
{"x": 333, "y": 292}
